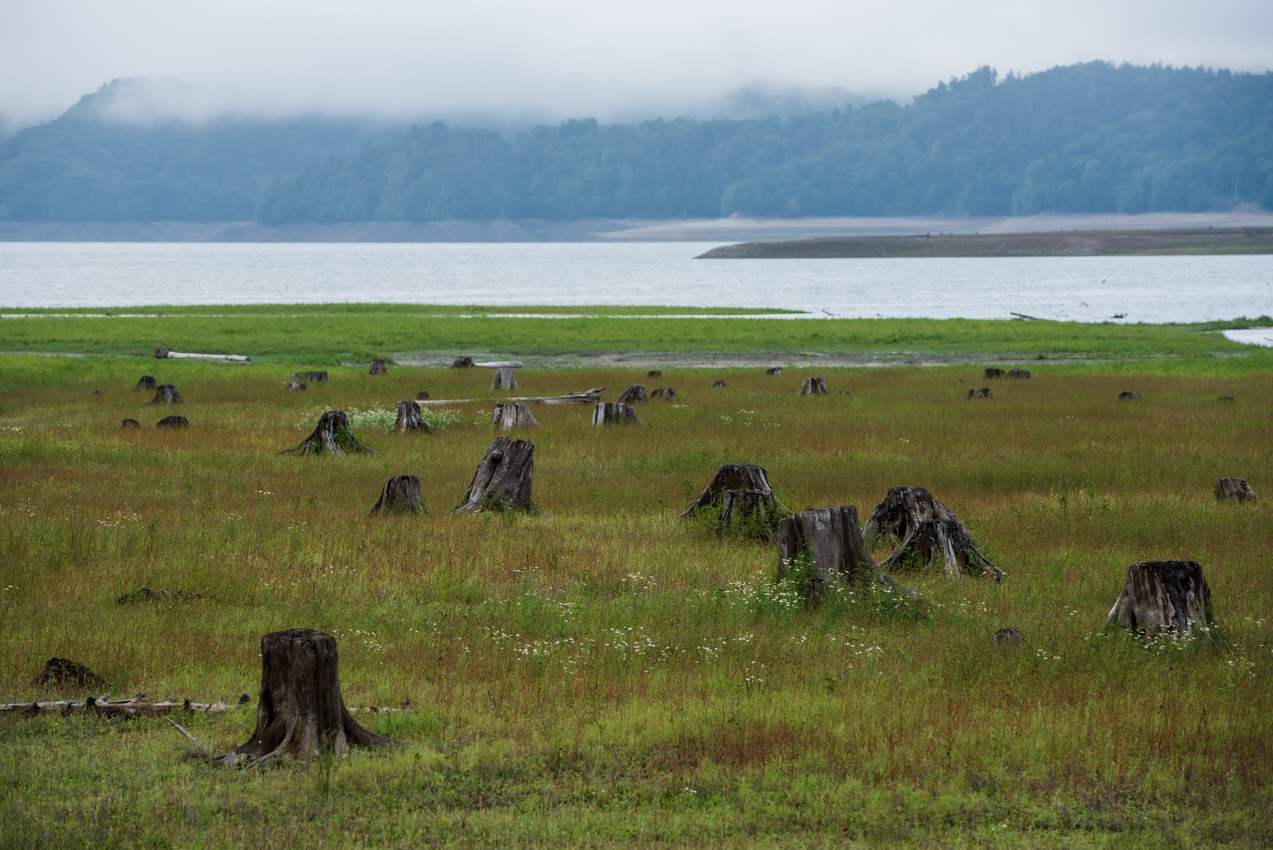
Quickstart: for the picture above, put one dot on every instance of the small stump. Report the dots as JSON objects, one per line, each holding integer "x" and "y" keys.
{"x": 1227, "y": 398}
{"x": 378, "y": 368}
{"x": 316, "y": 377}
{"x": 1019, "y": 374}
{"x": 295, "y": 386}
{"x": 927, "y": 530}
{"x": 814, "y": 386}
{"x": 513, "y": 414}
{"x": 300, "y": 712}
{"x": 333, "y": 435}
{"x": 129, "y": 423}
{"x": 1163, "y": 596}
{"x": 831, "y": 540}
{"x": 400, "y": 495}
{"x": 654, "y": 373}
{"x": 740, "y": 493}
{"x": 664, "y": 393}
{"x": 1128, "y": 395}
{"x": 462, "y": 362}
{"x": 173, "y": 422}
{"x": 63, "y": 671}
{"x": 718, "y": 385}
{"x": 166, "y": 394}
{"x": 980, "y": 392}
{"x": 992, "y": 372}
{"x": 147, "y": 382}
{"x": 609, "y": 413}
{"x": 845, "y": 393}
{"x": 410, "y": 420}
{"x": 1234, "y": 488}
{"x": 503, "y": 479}
{"x": 505, "y": 378}
{"x": 422, "y": 395}
{"x": 632, "y": 394}
{"x": 774, "y": 370}
{"x": 1010, "y": 637}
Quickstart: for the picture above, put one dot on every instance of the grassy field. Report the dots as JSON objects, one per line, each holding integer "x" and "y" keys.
{"x": 605, "y": 675}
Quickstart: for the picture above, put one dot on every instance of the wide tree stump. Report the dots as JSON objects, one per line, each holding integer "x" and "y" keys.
{"x": 513, "y": 414}
{"x": 129, "y": 423}
{"x": 295, "y": 386}
{"x": 173, "y": 422}
{"x": 378, "y": 368}
{"x": 654, "y": 373}
{"x": 774, "y": 370}
{"x": 504, "y": 378}
{"x": 1162, "y": 596}
{"x": 814, "y": 386}
{"x": 992, "y": 372}
{"x": 400, "y": 495}
{"x": 1128, "y": 395}
{"x": 166, "y": 394}
{"x": 718, "y": 385}
{"x": 832, "y": 541}
{"x": 632, "y": 394}
{"x": 981, "y": 392}
{"x": 503, "y": 479}
{"x": 462, "y": 362}
{"x": 300, "y": 712}
{"x": 409, "y": 419}
{"x": 927, "y": 530}
{"x": 740, "y": 497}
{"x": 664, "y": 393}
{"x": 609, "y": 413}
{"x": 1019, "y": 374}
{"x": 1234, "y": 488}
{"x": 147, "y": 382}
{"x": 333, "y": 435}
{"x": 316, "y": 377}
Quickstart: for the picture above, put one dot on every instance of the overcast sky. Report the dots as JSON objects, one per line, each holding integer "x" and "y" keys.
{"x": 574, "y": 58}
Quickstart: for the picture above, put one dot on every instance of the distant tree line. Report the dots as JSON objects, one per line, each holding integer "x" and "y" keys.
{"x": 1084, "y": 138}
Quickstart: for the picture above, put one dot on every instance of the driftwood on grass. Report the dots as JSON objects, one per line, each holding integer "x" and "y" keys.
{"x": 147, "y": 382}
{"x": 666, "y": 393}
{"x": 926, "y": 530}
{"x": 65, "y": 672}
{"x": 610, "y": 413}
{"x": 103, "y": 707}
{"x": 378, "y": 368}
{"x": 129, "y": 423}
{"x": 169, "y": 354}
{"x": 503, "y": 479}
{"x": 409, "y": 419}
{"x": 774, "y": 370}
{"x": 740, "y": 493}
{"x": 814, "y": 386}
{"x": 718, "y": 385}
{"x": 462, "y": 362}
{"x": 173, "y": 422}
{"x": 300, "y": 711}
{"x": 981, "y": 392}
{"x": 1162, "y": 596}
{"x": 591, "y": 396}
{"x": 513, "y": 414}
{"x": 1128, "y": 395}
{"x": 296, "y": 386}
{"x": 1019, "y": 374}
{"x": 332, "y": 434}
{"x": 634, "y": 393}
{"x": 400, "y": 495}
{"x": 167, "y": 394}
{"x": 1234, "y": 488}
{"x": 654, "y": 373}
{"x": 993, "y": 372}
{"x": 831, "y": 539}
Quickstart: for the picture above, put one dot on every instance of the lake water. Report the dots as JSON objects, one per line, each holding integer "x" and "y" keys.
{"x": 1145, "y": 289}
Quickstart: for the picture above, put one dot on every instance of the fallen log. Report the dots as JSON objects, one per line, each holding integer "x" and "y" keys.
{"x": 503, "y": 478}
{"x": 1162, "y": 596}
{"x": 591, "y": 396}
{"x": 169, "y": 354}
{"x": 134, "y": 707}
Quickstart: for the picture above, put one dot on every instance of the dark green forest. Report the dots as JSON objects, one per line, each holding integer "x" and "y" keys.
{"x": 1085, "y": 138}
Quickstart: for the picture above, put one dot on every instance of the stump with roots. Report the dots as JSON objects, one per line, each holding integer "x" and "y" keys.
{"x": 718, "y": 385}
{"x": 173, "y": 422}
{"x": 505, "y": 378}
{"x": 981, "y": 392}
{"x": 129, "y": 423}
{"x": 1163, "y": 596}
{"x": 664, "y": 393}
{"x": 378, "y": 368}
{"x": 1019, "y": 374}
{"x": 409, "y": 419}
{"x": 296, "y": 386}
{"x": 814, "y": 386}
{"x": 774, "y": 370}
{"x": 1234, "y": 488}
{"x": 926, "y": 529}
{"x": 333, "y": 435}
{"x": 740, "y": 497}
{"x": 992, "y": 372}
{"x": 654, "y": 373}
{"x": 462, "y": 362}
{"x": 400, "y": 495}
{"x": 503, "y": 479}
{"x": 1128, "y": 395}
{"x": 634, "y": 393}
{"x": 166, "y": 394}
{"x": 610, "y": 413}
{"x": 832, "y": 542}
{"x": 513, "y": 414}
{"x": 147, "y": 382}
{"x": 300, "y": 712}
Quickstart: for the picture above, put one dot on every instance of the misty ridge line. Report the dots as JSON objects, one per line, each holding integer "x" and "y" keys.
{"x": 1088, "y": 138}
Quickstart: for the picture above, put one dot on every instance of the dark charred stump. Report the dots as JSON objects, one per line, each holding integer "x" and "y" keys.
{"x": 505, "y": 378}
{"x": 1019, "y": 374}
{"x": 1128, "y": 395}
{"x": 814, "y": 386}
{"x": 664, "y": 393}
{"x": 513, "y": 414}
{"x": 378, "y": 368}
{"x": 503, "y": 479}
{"x": 609, "y": 413}
{"x": 300, "y": 712}
{"x": 462, "y": 362}
{"x": 1010, "y": 637}
{"x": 634, "y": 393}
{"x": 832, "y": 541}
{"x": 729, "y": 476}
{"x": 774, "y": 370}
{"x": 333, "y": 435}
{"x": 718, "y": 385}
{"x": 1235, "y": 488}
{"x": 654, "y": 373}
{"x": 739, "y": 496}
{"x": 1162, "y": 596}
{"x": 400, "y": 495}
{"x": 147, "y": 382}
{"x": 981, "y": 392}
{"x": 409, "y": 419}
{"x": 173, "y": 422}
{"x": 129, "y": 423}
{"x": 422, "y": 395}
{"x": 166, "y": 394}
{"x": 926, "y": 529}
{"x": 1227, "y": 398}
{"x": 161, "y": 353}
{"x": 63, "y": 672}
{"x": 295, "y": 386}
{"x": 992, "y": 372}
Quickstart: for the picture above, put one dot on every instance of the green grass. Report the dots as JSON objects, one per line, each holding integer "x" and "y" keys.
{"x": 605, "y": 675}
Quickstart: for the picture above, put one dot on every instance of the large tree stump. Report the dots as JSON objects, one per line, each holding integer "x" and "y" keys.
{"x": 173, "y": 422}
{"x": 1019, "y": 374}
{"x": 926, "y": 529}
{"x": 513, "y": 414}
{"x": 409, "y": 419}
{"x": 300, "y": 711}
{"x": 378, "y": 368}
{"x": 739, "y": 494}
{"x": 400, "y": 495}
{"x": 981, "y": 392}
{"x": 1161, "y": 596}
{"x": 462, "y": 362}
{"x": 814, "y": 386}
{"x": 316, "y": 377}
{"x": 1234, "y": 488}
{"x": 147, "y": 382}
{"x": 505, "y": 378}
{"x": 834, "y": 544}
{"x": 503, "y": 479}
{"x": 993, "y": 372}
{"x": 610, "y": 413}
{"x": 332, "y": 434}
{"x": 634, "y": 393}
{"x": 166, "y": 394}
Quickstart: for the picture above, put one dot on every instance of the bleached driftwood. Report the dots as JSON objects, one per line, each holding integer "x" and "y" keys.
{"x": 106, "y": 707}
{"x": 591, "y": 396}
{"x": 168, "y": 353}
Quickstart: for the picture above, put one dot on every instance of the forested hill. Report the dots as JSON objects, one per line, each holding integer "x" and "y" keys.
{"x": 1084, "y": 138}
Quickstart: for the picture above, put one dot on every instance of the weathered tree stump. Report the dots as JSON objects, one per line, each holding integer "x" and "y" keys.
{"x": 173, "y": 422}
{"x": 1019, "y": 374}
{"x": 504, "y": 378}
{"x": 147, "y": 382}
{"x": 1162, "y": 596}
{"x": 739, "y": 493}
{"x": 992, "y": 372}
{"x": 774, "y": 370}
{"x": 926, "y": 529}
{"x": 981, "y": 392}
{"x": 300, "y": 712}
{"x": 63, "y": 671}
{"x": 332, "y": 434}
{"x": 664, "y": 393}
{"x": 1234, "y": 488}
{"x": 609, "y": 413}
{"x": 166, "y": 394}
{"x": 400, "y": 495}
{"x": 1227, "y": 398}
{"x": 295, "y": 386}
{"x": 503, "y": 479}
{"x": 129, "y": 423}
{"x": 814, "y": 386}
{"x": 409, "y": 419}
{"x": 831, "y": 539}
{"x": 718, "y": 385}
{"x": 1010, "y": 637}
{"x": 513, "y": 414}
{"x": 654, "y": 373}
{"x": 316, "y": 377}
{"x": 422, "y": 395}
{"x": 378, "y": 368}
{"x": 462, "y": 362}
{"x": 1128, "y": 395}
{"x": 634, "y": 393}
